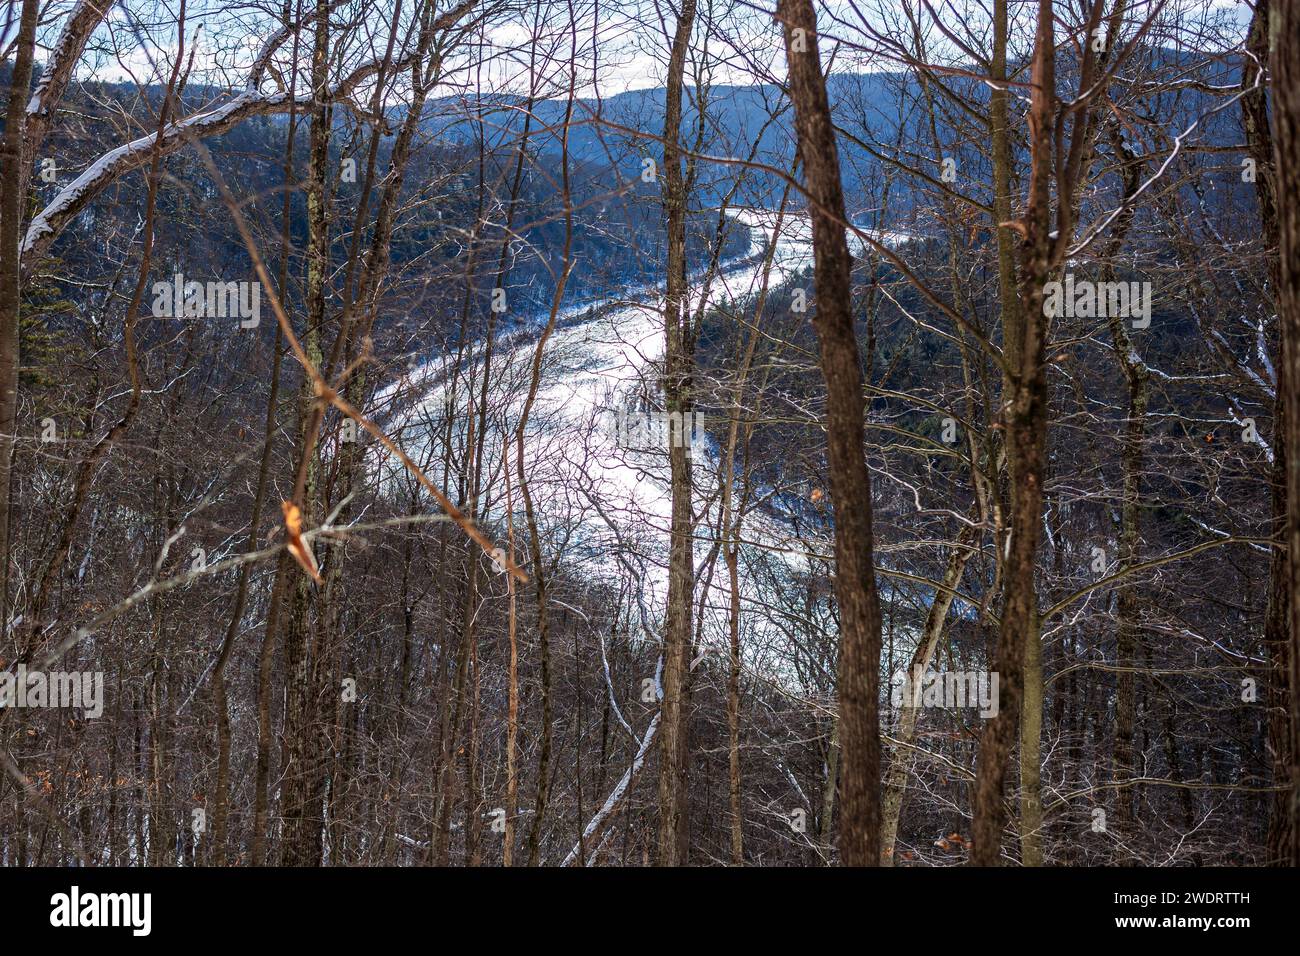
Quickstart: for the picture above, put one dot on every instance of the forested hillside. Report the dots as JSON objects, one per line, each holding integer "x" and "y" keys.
{"x": 489, "y": 433}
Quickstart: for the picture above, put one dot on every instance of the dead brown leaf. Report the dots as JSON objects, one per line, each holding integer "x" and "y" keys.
{"x": 298, "y": 547}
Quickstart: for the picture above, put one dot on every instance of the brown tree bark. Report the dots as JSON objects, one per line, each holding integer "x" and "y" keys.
{"x": 1285, "y": 58}
{"x": 1277, "y": 628}
{"x": 270, "y": 634}
{"x": 302, "y": 804}
{"x": 1127, "y": 635}
{"x": 11, "y": 211}
{"x": 841, "y": 365}
{"x": 1024, "y": 418}
{"x": 679, "y": 361}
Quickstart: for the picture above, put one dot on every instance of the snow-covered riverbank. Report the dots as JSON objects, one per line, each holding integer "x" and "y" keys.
{"x": 610, "y": 501}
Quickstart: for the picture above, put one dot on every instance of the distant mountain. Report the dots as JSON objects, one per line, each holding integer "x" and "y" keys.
{"x": 620, "y": 131}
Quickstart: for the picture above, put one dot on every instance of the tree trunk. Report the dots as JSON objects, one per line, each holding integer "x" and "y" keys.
{"x": 855, "y": 585}
{"x": 12, "y": 189}
{"x": 302, "y": 803}
{"x": 674, "y": 813}
{"x": 1259, "y": 143}
{"x": 1285, "y": 50}
{"x": 1024, "y": 418}
{"x": 936, "y": 618}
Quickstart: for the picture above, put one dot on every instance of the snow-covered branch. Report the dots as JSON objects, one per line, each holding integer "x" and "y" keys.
{"x": 78, "y": 194}
{"x": 616, "y": 796}
{"x": 81, "y": 23}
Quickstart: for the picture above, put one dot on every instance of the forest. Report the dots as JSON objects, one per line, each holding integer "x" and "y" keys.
{"x": 621, "y": 433}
